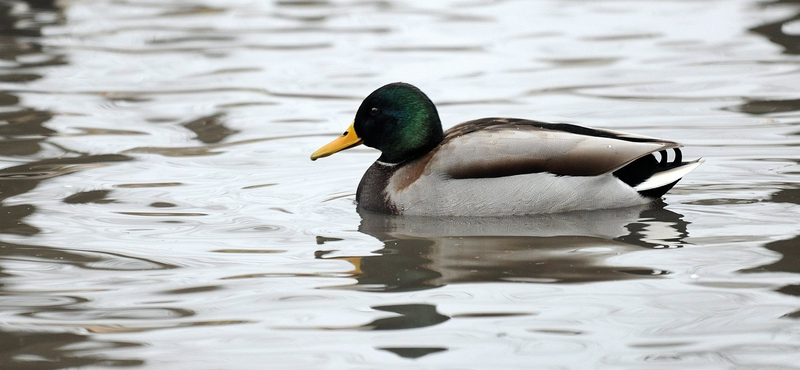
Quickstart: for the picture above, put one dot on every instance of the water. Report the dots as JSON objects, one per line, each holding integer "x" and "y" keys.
{"x": 159, "y": 209}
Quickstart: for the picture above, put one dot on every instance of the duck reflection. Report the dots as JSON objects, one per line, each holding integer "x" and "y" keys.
{"x": 424, "y": 252}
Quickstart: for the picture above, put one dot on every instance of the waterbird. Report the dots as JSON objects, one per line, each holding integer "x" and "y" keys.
{"x": 499, "y": 166}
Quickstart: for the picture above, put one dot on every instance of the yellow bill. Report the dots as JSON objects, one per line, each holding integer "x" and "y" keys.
{"x": 348, "y": 140}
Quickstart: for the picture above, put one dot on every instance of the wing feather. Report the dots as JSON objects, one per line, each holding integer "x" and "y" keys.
{"x": 498, "y": 147}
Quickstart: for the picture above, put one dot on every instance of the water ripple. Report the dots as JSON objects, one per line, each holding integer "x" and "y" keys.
{"x": 92, "y": 260}
{"x": 159, "y": 207}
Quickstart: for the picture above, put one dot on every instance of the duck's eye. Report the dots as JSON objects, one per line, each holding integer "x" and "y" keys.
{"x": 374, "y": 111}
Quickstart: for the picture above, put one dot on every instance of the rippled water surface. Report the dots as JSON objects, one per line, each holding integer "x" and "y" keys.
{"x": 158, "y": 208}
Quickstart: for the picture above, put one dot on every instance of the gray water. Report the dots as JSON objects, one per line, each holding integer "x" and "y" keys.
{"x": 158, "y": 208}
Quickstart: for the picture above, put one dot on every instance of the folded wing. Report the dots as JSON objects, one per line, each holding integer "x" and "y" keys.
{"x": 498, "y": 147}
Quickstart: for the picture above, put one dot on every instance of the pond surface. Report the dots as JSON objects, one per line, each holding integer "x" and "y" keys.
{"x": 158, "y": 208}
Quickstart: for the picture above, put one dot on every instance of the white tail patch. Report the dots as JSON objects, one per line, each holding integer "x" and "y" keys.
{"x": 669, "y": 176}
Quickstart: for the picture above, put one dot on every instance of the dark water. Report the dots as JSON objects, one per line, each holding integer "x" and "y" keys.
{"x": 158, "y": 208}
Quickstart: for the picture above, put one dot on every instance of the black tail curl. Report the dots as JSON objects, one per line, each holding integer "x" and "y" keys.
{"x": 665, "y": 159}
{"x": 638, "y": 171}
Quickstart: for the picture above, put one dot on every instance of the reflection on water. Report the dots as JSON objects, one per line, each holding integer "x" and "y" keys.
{"x": 158, "y": 208}
{"x": 210, "y": 129}
{"x": 46, "y": 351}
{"x": 790, "y": 195}
{"x": 789, "y": 261}
{"x": 23, "y": 131}
{"x": 760, "y": 106}
{"x": 656, "y": 227}
{"x": 83, "y": 259}
{"x": 11, "y": 222}
{"x": 92, "y": 196}
{"x": 424, "y": 253}
{"x": 411, "y": 316}
{"x": 789, "y": 249}
{"x": 413, "y": 352}
{"x": 776, "y": 31}
{"x": 17, "y": 29}
{"x": 16, "y": 180}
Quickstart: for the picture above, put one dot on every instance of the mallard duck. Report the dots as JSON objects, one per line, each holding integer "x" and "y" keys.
{"x": 498, "y": 166}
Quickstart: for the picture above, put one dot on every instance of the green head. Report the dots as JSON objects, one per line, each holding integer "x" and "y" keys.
{"x": 399, "y": 120}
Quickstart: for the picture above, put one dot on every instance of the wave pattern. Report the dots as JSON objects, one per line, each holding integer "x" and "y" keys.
{"x": 158, "y": 208}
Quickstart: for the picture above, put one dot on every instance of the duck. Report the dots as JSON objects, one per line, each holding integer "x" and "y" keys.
{"x": 499, "y": 166}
